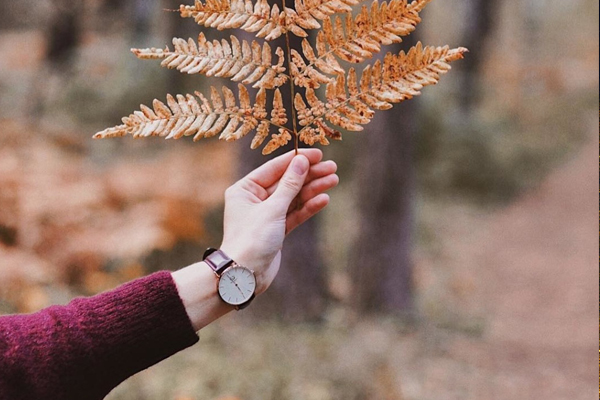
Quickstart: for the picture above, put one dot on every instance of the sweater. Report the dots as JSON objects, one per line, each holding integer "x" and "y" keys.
{"x": 86, "y": 348}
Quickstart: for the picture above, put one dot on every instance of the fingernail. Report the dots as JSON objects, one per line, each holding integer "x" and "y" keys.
{"x": 300, "y": 165}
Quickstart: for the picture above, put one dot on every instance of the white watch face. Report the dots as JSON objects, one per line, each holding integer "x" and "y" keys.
{"x": 237, "y": 285}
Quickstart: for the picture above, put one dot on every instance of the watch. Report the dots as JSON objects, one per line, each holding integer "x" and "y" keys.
{"x": 236, "y": 284}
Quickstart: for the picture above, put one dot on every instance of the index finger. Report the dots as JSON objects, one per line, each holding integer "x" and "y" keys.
{"x": 270, "y": 172}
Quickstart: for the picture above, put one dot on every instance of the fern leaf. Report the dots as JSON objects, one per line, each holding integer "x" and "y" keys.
{"x": 260, "y": 18}
{"x": 419, "y": 5}
{"x": 310, "y": 77}
{"x": 312, "y": 115}
{"x": 196, "y": 115}
{"x": 357, "y": 39}
{"x": 351, "y": 104}
{"x": 277, "y": 140}
{"x": 306, "y": 13}
{"x": 312, "y": 136}
{"x": 278, "y": 114}
{"x": 240, "y": 61}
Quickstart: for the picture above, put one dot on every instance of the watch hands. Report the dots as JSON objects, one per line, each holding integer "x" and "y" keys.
{"x": 236, "y": 285}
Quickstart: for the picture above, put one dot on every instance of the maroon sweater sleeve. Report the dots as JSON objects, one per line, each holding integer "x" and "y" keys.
{"x": 86, "y": 348}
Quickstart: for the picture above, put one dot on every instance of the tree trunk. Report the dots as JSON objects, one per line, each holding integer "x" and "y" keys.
{"x": 299, "y": 293}
{"x": 63, "y": 36}
{"x": 480, "y": 24}
{"x": 64, "y": 33}
{"x": 180, "y": 28}
{"x": 380, "y": 263}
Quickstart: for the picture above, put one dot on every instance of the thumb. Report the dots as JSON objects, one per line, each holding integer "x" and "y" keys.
{"x": 292, "y": 181}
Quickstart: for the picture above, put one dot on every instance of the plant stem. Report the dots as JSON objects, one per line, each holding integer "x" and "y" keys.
{"x": 292, "y": 87}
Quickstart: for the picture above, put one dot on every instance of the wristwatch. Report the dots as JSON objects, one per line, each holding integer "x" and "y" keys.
{"x": 236, "y": 284}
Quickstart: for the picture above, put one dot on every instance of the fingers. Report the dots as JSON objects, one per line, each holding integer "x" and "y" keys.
{"x": 316, "y": 187}
{"x": 321, "y": 169}
{"x": 309, "y": 209}
{"x": 311, "y": 198}
{"x": 270, "y": 172}
{"x": 291, "y": 183}
{"x": 316, "y": 171}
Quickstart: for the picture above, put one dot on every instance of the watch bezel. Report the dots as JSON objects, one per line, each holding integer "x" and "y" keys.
{"x": 244, "y": 304}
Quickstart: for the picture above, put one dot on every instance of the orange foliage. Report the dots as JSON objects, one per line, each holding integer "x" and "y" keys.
{"x": 63, "y": 220}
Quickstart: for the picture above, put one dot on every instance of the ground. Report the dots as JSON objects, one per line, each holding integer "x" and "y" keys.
{"x": 532, "y": 271}
{"x": 506, "y": 296}
{"x": 522, "y": 325}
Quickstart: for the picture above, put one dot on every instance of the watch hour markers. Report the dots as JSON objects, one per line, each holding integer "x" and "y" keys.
{"x": 237, "y": 285}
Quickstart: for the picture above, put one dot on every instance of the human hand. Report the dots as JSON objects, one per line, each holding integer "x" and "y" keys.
{"x": 270, "y": 202}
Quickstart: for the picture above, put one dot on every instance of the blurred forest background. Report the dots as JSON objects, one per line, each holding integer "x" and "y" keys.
{"x": 457, "y": 259}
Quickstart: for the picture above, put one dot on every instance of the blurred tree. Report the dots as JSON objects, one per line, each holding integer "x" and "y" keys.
{"x": 18, "y": 14}
{"x": 115, "y": 5}
{"x": 142, "y": 14}
{"x": 380, "y": 262}
{"x": 64, "y": 33}
{"x": 6, "y": 20}
{"x": 180, "y": 28}
{"x": 300, "y": 292}
{"x": 130, "y": 16}
{"x": 478, "y": 29}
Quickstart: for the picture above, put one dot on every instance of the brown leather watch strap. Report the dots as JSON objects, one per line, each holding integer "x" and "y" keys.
{"x": 217, "y": 260}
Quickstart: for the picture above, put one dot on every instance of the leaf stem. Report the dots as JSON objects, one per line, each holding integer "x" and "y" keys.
{"x": 292, "y": 86}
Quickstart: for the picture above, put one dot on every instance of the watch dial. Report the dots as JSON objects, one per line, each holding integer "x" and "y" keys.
{"x": 237, "y": 285}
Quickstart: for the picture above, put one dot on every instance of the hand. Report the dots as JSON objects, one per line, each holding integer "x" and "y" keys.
{"x": 270, "y": 202}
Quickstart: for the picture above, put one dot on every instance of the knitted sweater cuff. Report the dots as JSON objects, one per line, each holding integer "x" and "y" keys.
{"x": 86, "y": 348}
{"x": 134, "y": 326}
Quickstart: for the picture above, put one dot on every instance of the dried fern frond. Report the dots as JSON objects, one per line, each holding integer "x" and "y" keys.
{"x": 196, "y": 115}
{"x": 277, "y": 141}
{"x": 265, "y": 21}
{"x": 351, "y": 104}
{"x": 306, "y": 13}
{"x": 348, "y": 103}
{"x": 240, "y": 61}
{"x": 355, "y": 39}
{"x": 305, "y": 75}
{"x": 419, "y": 5}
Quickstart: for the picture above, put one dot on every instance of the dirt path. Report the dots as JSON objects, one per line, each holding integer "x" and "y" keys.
{"x": 530, "y": 272}
{"x": 542, "y": 283}
{"x": 538, "y": 282}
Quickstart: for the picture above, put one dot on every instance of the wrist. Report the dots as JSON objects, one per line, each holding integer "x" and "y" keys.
{"x": 239, "y": 255}
{"x": 197, "y": 287}
{"x": 250, "y": 259}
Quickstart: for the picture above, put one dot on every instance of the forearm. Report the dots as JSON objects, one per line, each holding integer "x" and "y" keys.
{"x": 86, "y": 348}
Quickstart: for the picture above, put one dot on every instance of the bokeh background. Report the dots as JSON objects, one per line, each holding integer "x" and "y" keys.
{"x": 477, "y": 202}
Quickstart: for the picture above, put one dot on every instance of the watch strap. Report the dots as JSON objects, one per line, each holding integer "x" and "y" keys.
{"x": 217, "y": 260}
